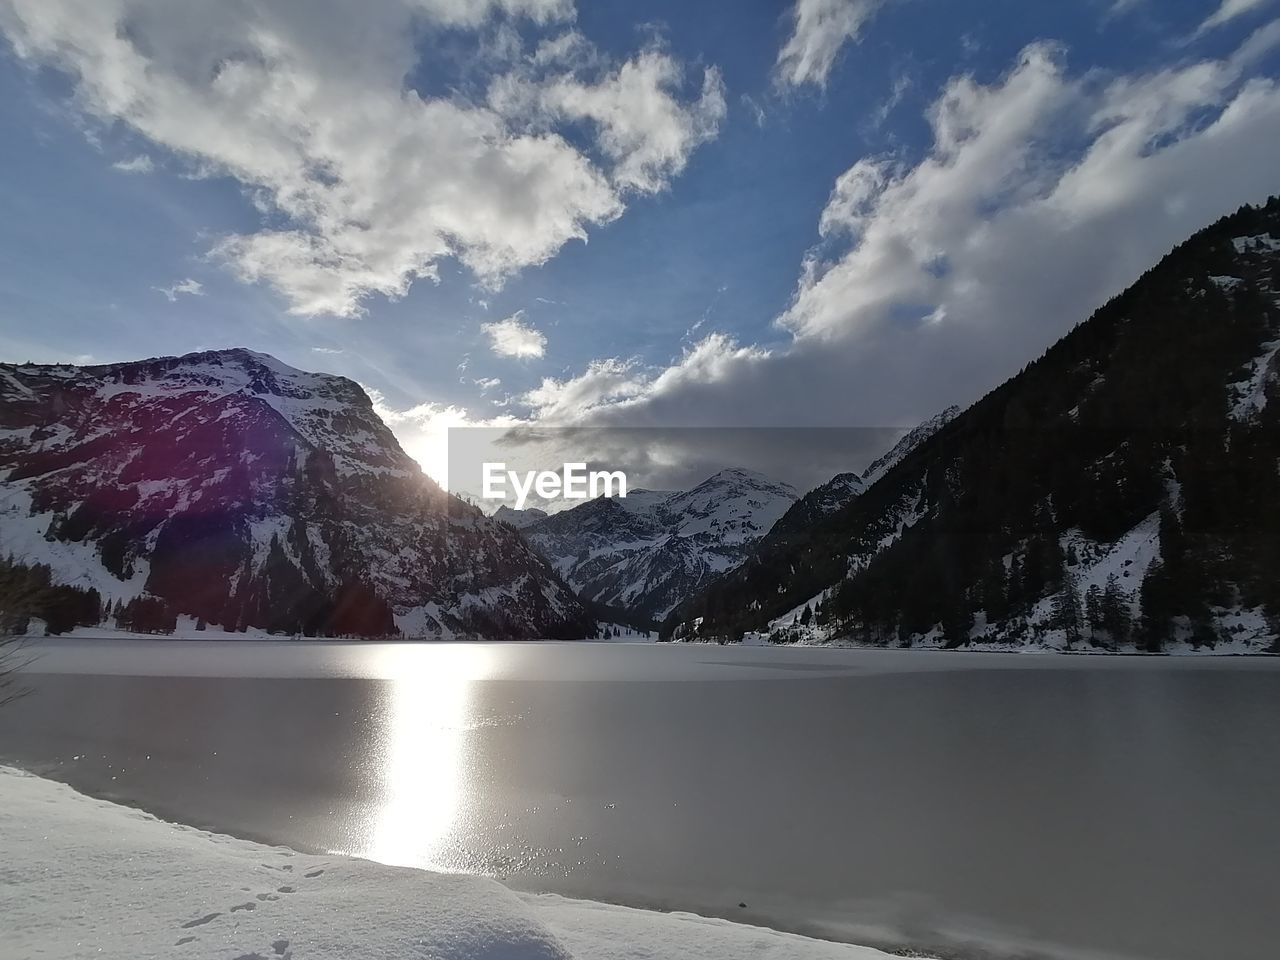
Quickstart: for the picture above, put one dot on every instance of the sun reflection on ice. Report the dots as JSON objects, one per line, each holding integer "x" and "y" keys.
{"x": 422, "y": 751}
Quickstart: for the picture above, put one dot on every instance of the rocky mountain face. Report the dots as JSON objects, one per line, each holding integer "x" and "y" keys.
{"x": 234, "y": 490}
{"x": 1119, "y": 493}
{"x": 647, "y": 552}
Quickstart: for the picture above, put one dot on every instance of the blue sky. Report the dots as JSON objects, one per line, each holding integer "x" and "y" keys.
{"x": 893, "y": 217}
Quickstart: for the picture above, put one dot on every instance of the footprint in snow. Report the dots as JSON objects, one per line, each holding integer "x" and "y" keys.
{"x": 200, "y": 921}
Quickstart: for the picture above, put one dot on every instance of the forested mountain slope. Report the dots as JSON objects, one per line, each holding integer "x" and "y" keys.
{"x": 828, "y": 498}
{"x": 1122, "y": 489}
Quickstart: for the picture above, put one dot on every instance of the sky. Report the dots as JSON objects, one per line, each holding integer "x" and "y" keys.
{"x": 722, "y": 213}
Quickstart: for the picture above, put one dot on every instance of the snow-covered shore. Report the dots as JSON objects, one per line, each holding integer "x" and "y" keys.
{"x": 81, "y": 877}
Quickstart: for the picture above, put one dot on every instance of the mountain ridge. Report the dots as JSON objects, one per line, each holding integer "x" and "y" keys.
{"x": 1115, "y": 494}
{"x": 646, "y": 552}
{"x": 829, "y": 498}
{"x": 230, "y": 487}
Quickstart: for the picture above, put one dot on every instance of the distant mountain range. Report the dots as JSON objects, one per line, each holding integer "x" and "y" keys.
{"x": 1119, "y": 493}
{"x": 235, "y": 491}
{"x": 648, "y": 551}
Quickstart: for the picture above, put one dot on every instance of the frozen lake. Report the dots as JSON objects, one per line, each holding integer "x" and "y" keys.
{"x": 984, "y": 805}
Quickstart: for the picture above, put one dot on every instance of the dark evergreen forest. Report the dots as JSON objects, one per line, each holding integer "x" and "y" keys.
{"x": 1131, "y": 416}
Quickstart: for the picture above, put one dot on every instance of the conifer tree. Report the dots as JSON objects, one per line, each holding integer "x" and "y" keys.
{"x": 1115, "y": 613}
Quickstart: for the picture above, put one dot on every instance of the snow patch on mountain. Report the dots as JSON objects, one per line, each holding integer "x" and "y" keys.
{"x": 1250, "y": 394}
{"x": 889, "y": 527}
{"x": 1127, "y": 560}
{"x": 1260, "y": 243}
{"x": 24, "y": 534}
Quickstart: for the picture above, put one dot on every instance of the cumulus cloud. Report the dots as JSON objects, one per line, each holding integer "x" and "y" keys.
{"x": 187, "y": 287}
{"x": 643, "y": 129}
{"x": 608, "y": 385}
{"x": 937, "y": 275}
{"x": 820, "y": 30}
{"x": 513, "y": 337}
{"x": 604, "y": 381}
{"x": 1042, "y": 195}
{"x": 364, "y": 182}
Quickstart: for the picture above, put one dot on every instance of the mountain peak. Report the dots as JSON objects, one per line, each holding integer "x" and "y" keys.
{"x": 649, "y": 551}
{"x": 742, "y": 475}
{"x": 228, "y": 486}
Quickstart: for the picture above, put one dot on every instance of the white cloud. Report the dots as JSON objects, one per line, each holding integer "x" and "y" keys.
{"x": 513, "y": 337}
{"x": 641, "y": 126}
{"x": 933, "y": 235}
{"x": 188, "y": 287}
{"x": 604, "y": 381}
{"x": 139, "y": 164}
{"x": 1230, "y": 10}
{"x": 610, "y": 385}
{"x": 423, "y": 430}
{"x": 365, "y": 183}
{"x": 1043, "y": 194}
{"x": 472, "y": 13}
{"x": 820, "y": 29}
{"x": 487, "y": 383}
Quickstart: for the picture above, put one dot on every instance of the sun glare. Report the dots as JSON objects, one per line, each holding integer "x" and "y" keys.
{"x": 423, "y": 763}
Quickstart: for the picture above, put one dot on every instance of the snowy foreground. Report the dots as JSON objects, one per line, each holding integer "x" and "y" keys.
{"x": 81, "y": 877}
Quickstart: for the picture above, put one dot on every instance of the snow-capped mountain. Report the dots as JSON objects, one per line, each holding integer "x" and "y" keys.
{"x": 647, "y": 552}
{"x": 231, "y": 488}
{"x": 1118, "y": 493}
